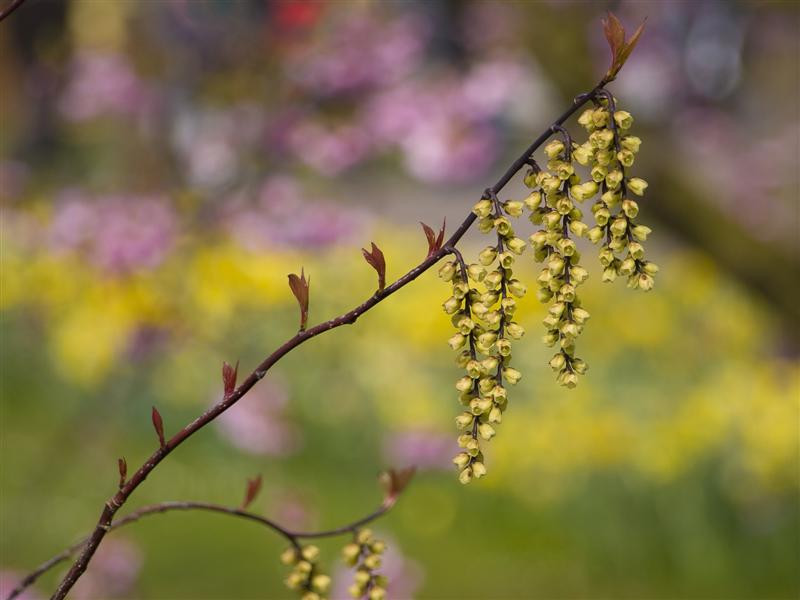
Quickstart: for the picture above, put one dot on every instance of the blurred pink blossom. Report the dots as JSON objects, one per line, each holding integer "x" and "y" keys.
{"x": 358, "y": 51}
{"x": 420, "y": 448}
{"x": 282, "y": 216}
{"x": 329, "y": 150}
{"x": 115, "y": 569}
{"x": 404, "y": 574}
{"x": 117, "y": 233}
{"x": 257, "y": 424}
{"x": 103, "y": 84}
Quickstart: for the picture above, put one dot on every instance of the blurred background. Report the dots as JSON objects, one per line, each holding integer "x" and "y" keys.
{"x": 165, "y": 164}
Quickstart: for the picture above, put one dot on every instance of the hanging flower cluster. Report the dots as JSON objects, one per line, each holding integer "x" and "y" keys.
{"x": 482, "y": 309}
{"x": 608, "y": 152}
{"x": 364, "y": 553}
{"x": 305, "y": 576}
{"x": 483, "y": 304}
{"x": 553, "y": 208}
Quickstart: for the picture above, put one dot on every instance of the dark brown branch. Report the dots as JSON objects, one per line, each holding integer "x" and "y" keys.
{"x": 292, "y": 537}
{"x": 14, "y": 5}
{"x": 348, "y": 318}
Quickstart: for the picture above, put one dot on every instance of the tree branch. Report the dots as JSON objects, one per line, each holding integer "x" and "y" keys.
{"x": 293, "y": 537}
{"x": 104, "y": 523}
{"x": 14, "y": 5}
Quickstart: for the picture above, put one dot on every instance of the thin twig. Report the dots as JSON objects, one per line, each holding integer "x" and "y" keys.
{"x": 348, "y": 318}
{"x": 293, "y": 537}
{"x": 14, "y": 5}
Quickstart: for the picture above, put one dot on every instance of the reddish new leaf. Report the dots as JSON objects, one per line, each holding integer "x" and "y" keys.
{"x": 253, "y": 487}
{"x": 299, "y": 286}
{"x": 620, "y": 49}
{"x": 394, "y": 482}
{"x": 377, "y": 261}
{"x": 123, "y": 470}
{"x": 434, "y": 241}
{"x": 229, "y": 375}
{"x": 158, "y": 424}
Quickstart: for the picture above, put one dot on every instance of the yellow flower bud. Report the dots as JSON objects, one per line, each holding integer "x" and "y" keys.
{"x": 473, "y": 369}
{"x": 372, "y": 562}
{"x": 515, "y": 331}
{"x": 516, "y": 245}
{"x": 627, "y": 267}
{"x": 636, "y": 250}
{"x": 631, "y": 143}
{"x": 311, "y": 553}
{"x": 595, "y": 234}
{"x": 506, "y": 260}
{"x": 493, "y": 279}
{"x": 464, "y": 420}
{"x": 630, "y": 208}
{"x": 355, "y": 591}
{"x": 623, "y": 119}
{"x": 533, "y": 200}
{"x": 457, "y": 341}
{"x": 321, "y": 583}
{"x": 461, "y": 460}
{"x": 579, "y": 366}
{"x": 289, "y": 556}
{"x": 580, "y": 315}
{"x": 570, "y": 330}
{"x": 567, "y": 247}
{"x": 377, "y": 593}
{"x": 452, "y": 305}
{"x": 650, "y": 268}
{"x": 516, "y": 288}
{"x": 362, "y": 577}
{"x": 618, "y": 226}
{"x": 550, "y": 338}
{"x": 554, "y": 148}
{"x": 586, "y": 119}
{"x": 513, "y": 208}
{"x": 645, "y": 282}
{"x": 601, "y": 138}
{"x": 487, "y": 255}
{"x": 303, "y": 567}
{"x": 495, "y": 415}
{"x": 486, "y": 431}
{"x": 614, "y": 179}
{"x": 509, "y": 306}
{"x": 567, "y": 292}
{"x": 483, "y": 208}
{"x": 578, "y": 274}
{"x": 544, "y": 295}
{"x": 478, "y": 469}
{"x": 464, "y": 384}
{"x": 511, "y": 375}
{"x": 552, "y": 220}
{"x": 465, "y": 476}
{"x": 555, "y": 265}
{"x": 486, "y": 225}
{"x": 637, "y": 185}
{"x": 503, "y": 347}
{"x": 350, "y": 553}
{"x": 598, "y": 173}
{"x": 626, "y": 158}
{"x": 310, "y": 596}
{"x": 530, "y": 179}
{"x": 599, "y": 117}
{"x": 558, "y": 361}
{"x": 601, "y": 216}
{"x": 609, "y": 274}
{"x": 640, "y": 232}
{"x": 583, "y": 154}
{"x": 568, "y": 380}
{"x": 611, "y": 198}
{"x": 447, "y": 270}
